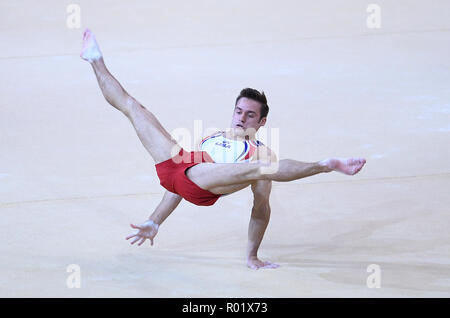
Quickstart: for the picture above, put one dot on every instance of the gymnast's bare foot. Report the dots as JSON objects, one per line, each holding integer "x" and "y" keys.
{"x": 349, "y": 166}
{"x": 90, "y": 51}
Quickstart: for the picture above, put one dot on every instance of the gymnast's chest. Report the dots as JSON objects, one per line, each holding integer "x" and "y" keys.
{"x": 223, "y": 150}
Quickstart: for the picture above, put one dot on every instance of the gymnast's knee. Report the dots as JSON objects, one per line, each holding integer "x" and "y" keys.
{"x": 136, "y": 111}
{"x": 267, "y": 171}
{"x": 258, "y": 173}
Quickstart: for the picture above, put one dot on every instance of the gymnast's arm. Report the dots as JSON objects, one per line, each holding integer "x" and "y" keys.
{"x": 260, "y": 214}
{"x": 149, "y": 229}
{"x": 167, "y": 205}
{"x": 258, "y": 222}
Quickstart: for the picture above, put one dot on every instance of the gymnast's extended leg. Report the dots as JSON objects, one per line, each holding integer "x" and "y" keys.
{"x": 152, "y": 134}
{"x": 221, "y": 178}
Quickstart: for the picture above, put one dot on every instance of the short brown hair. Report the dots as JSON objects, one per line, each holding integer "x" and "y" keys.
{"x": 255, "y": 95}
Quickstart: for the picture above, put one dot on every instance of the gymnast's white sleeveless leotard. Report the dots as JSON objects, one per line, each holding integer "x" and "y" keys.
{"x": 224, "y": 150}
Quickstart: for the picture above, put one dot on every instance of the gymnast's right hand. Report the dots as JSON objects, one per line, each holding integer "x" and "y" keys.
{"x": 146, "y": 230}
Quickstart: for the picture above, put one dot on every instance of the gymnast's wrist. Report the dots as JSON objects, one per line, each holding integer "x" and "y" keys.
{"x": 152, "y": 223}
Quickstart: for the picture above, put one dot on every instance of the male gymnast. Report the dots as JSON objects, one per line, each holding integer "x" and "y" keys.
{"x": 202, "y": 177}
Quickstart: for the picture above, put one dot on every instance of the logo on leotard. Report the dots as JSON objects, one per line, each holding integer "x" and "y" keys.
{"x": 225, "y": 144}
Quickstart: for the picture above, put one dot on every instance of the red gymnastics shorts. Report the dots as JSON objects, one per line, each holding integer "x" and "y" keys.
{"x": 172, "y": 176}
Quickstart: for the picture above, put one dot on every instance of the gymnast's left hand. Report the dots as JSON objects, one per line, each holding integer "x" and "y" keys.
{"x": 256, "y": 263}
{"x": 146, "y": 230}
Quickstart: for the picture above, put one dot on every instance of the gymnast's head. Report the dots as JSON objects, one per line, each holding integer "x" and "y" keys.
{"x": 250, "y": 111}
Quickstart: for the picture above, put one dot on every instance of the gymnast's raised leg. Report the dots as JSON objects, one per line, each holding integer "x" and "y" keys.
{"x": 152, "y": 134}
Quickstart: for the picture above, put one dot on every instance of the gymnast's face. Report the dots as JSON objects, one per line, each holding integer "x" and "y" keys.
{"x": 246, "y": 117}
